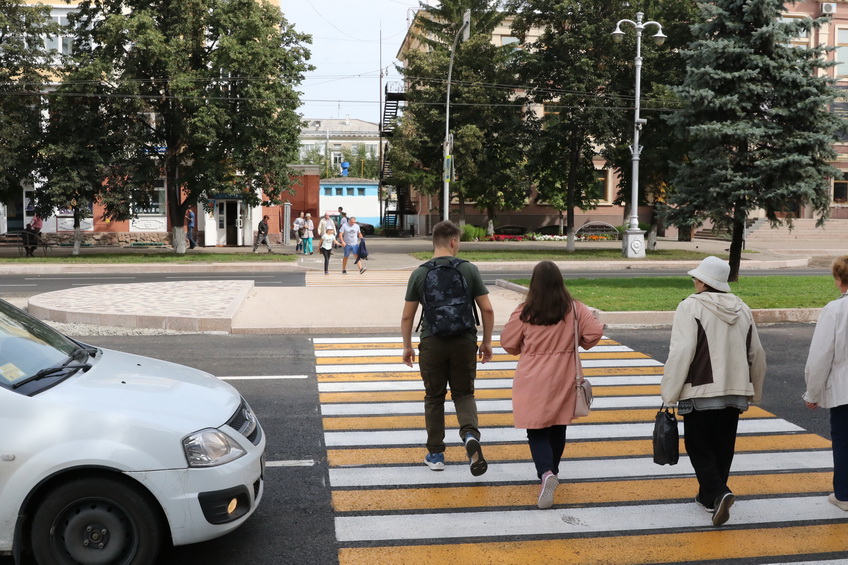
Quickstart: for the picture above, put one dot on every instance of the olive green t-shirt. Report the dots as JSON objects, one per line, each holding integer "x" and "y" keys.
{"x": 473, "y": 279}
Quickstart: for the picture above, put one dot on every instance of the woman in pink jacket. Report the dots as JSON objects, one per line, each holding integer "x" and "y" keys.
{"x": 541, "y": 331}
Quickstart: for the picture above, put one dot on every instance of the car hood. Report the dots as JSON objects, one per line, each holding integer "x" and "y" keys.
{"x": 177, "y": 397}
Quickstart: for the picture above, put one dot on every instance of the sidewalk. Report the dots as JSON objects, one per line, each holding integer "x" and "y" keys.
{"x": 353, "y": 303}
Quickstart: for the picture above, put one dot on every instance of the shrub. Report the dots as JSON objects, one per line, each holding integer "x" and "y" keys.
{"x": 472, "y": 233}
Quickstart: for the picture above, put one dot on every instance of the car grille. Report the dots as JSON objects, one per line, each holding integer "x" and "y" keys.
{"x": 244, "y": 422}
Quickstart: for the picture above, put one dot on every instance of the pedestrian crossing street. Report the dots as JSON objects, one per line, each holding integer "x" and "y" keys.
{"x": 613, "y": 506}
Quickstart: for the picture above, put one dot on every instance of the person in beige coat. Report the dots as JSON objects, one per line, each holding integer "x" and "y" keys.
{"x": 826, "y": 374}
{"x": 715, "y": 368}
{"x": 541, "y": 331}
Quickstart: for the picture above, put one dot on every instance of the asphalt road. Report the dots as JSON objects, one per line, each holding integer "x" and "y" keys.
{"x": 294, "y": 523}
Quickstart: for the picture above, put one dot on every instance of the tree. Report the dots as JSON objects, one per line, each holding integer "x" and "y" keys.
{"x": 485, "y": 120}
{"x": 364, "y": 161}
{"x": 81, "y": 148}
{"x": 209, "y": 85}
{"x": 756, "y": 116}
{"x": 24, "y": 71}
{"x": 566, "y": 71}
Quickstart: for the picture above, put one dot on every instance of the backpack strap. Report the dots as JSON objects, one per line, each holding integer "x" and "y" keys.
{"x": 431, "y": 264}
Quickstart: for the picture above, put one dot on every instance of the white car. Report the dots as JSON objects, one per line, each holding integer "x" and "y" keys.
{"x": 106, "y": 457}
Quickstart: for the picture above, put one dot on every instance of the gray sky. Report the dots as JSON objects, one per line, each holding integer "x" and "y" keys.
{"x": 346, "y": 51}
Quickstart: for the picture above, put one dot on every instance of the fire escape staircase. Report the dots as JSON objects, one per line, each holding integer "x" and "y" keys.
{"x": 392, "y": 219}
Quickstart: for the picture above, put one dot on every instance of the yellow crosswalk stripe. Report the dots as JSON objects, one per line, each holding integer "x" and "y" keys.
{"x": 568, "y": 493}
{"x": 719, "y": 545}
{"x": 480, "y": 394}
{"x": 499, "y": 357}
{"x": 495, "y": 420}
{"x": 574, "y": 450}
{"x": 481, "y": 374}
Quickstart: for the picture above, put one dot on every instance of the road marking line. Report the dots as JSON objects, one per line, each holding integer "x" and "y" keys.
{"x": 714, "y": 545}
{"x": 399, "y": 352}
{"x": 291, "y": 463}
{"x": 581, "y": 521}
{"x": 570, "y": 493}
{"x": 584, "y": 469}
{"x": 513, "y": 435}
{"x": 360, "y": 456}
{"x": 264, "y": 377}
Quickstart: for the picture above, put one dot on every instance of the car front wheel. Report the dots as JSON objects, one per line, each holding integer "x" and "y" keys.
{"x": 96, "y": 522}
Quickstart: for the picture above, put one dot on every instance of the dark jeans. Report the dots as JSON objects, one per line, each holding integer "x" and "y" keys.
{"x": 710, "y": 439}
{"x": 547, "y": 446}
{"x": 326, "y": 253}
{"x": 839, "y": 439}
{"x": 447, "y": 361}
{"x": 192, "y": 242}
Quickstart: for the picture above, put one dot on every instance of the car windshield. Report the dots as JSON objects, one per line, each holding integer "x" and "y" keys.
{"x": 28, "y": 346}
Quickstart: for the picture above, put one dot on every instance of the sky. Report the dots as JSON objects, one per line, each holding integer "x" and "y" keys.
{"x": 346, "y": 51}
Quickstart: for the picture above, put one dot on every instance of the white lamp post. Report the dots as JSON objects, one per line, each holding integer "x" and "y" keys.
{"x": 464, "y": 31}
{"x": 634, "y": 238}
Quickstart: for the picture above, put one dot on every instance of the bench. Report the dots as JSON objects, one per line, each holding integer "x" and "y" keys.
{"x": 600, "y": 231}
{"x": 23, "y": 239}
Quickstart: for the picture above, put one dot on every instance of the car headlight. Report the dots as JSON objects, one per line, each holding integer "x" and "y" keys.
{"x": 210, "y": 448}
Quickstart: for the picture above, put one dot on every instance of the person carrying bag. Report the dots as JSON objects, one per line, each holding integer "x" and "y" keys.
{"x": 542, "y": 331}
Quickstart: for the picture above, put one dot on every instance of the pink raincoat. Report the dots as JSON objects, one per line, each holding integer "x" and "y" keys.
{"x": 543, "y": 387}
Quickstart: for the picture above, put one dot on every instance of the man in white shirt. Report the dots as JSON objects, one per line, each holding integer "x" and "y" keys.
{"x": 349, "y": 236}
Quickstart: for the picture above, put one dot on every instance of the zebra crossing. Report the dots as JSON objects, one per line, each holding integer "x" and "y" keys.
{"x": 613, "y": 506}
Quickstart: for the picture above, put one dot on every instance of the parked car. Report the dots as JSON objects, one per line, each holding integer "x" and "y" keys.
{"x": 510, "y": 230}
{"x": 366, "y": 229}
{"x": 106, "y": 457}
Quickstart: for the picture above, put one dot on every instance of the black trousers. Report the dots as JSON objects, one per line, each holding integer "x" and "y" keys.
{"x": 547, "y": 446}
{"x": 710, "y": 439}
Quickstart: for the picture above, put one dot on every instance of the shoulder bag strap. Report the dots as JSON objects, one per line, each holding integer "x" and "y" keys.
{"x": 579, "y": 375}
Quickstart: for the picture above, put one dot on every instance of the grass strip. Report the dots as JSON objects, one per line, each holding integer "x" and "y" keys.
{"x": 665, "y": 293}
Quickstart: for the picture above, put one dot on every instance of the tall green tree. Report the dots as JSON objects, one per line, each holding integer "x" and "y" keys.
{"x": 485, "y": 120}
{"x": 364, "y": 161}
{"x": 756, "y": 118}
{"x": 566, "y": 71}
{"x": 24, "y": 72}
{"x": 210, "y": 85}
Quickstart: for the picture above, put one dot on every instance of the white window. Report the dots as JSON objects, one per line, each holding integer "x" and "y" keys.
{"x": 842, "y": 53}
{"x": 64, "y": 42}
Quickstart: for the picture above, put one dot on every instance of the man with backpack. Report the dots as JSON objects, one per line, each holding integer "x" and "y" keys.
{"x": 448, "y": 289}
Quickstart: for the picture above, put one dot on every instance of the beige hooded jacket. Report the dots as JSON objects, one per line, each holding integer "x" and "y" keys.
{"x": 714, "y": 350}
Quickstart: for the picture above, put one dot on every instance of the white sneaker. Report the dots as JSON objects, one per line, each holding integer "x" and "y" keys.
{"x": 546, "y": 492}
{"x": 841, "y": 504}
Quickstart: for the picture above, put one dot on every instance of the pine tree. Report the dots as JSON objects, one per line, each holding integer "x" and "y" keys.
{"x": 756, "y": 118}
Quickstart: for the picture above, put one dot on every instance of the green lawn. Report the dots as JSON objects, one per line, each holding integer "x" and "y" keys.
{"x": 664, "y": 293}
{"x": 562, "y": 255}
{"x": 156, "y": 257}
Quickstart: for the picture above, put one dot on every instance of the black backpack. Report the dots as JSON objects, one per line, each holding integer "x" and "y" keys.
{"x": 446, "y": 300}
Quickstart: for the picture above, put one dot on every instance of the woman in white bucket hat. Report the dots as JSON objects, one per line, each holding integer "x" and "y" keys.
{"x": 715, "y": 368}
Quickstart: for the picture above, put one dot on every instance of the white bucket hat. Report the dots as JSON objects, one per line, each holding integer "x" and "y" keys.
{"x": 713, "y": 272}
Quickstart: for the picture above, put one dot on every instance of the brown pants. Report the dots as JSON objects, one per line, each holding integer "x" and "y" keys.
{"x": 448, "y": 361}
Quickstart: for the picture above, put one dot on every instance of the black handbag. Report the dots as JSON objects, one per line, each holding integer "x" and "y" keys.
{"x": 666, "y": 438}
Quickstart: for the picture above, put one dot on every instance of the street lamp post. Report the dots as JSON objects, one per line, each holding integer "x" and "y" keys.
{"x": 634, "y": 238}
{"x": 447, "y": 147}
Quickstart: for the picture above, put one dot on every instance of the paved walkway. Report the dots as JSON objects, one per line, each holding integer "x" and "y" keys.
{"x": 337, "y": 303}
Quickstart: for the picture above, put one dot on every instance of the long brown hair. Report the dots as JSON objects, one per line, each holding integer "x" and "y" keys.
{"x": 548, "y": 300}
